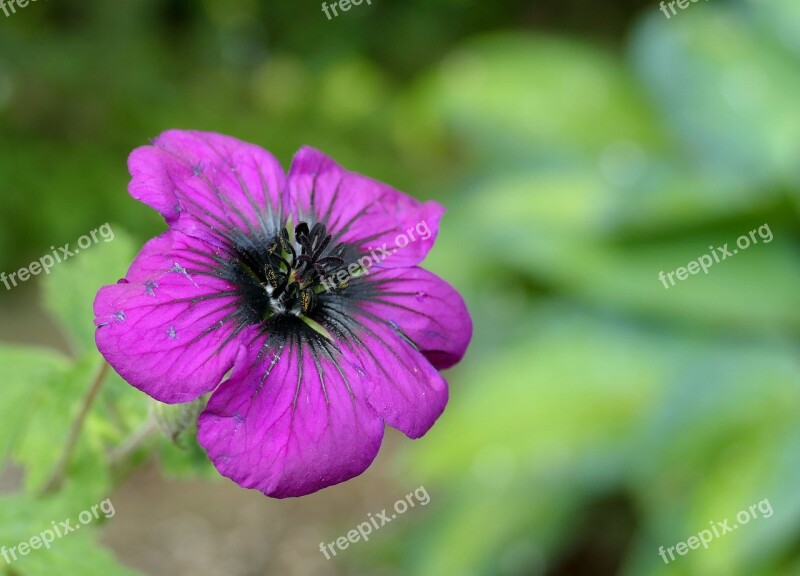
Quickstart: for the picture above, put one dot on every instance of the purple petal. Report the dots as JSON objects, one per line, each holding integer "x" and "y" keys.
{"x": 360, "y": 211}
{"x": 404, "y": 388}
{"x": 290, "y": 421}
{"x": 424, "y": 308}
{"x": 168, "y": 328}
{"x": 208, "y": 185}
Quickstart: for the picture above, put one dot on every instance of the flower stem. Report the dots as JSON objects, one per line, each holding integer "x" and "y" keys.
{"x": 129, "y": 446}
{"x": 57, "y": 476}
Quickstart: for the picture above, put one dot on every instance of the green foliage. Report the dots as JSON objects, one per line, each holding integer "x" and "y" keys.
{"x": 727, "y": 88}
{"x": 45, "y": 393}
{"x": 28, "y": 372}
{"x": 23, "y": 517}
{"x": 589, "y": 380}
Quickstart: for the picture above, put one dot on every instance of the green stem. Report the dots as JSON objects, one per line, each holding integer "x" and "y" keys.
{"x": 57, "y": 476}
{"x": 129, "y": 446}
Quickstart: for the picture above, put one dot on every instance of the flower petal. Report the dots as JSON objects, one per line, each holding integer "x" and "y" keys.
{"x": 403, "y": 387}
{"x": 422, "y": 307}
{"x": 210, "y": 186}
{"x": 291, "y": 420}
{"x": 360, "y": 211}
{"x": 169, "y": 328}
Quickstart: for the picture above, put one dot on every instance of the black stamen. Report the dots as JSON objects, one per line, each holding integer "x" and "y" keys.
{"x": 281, "y": 275}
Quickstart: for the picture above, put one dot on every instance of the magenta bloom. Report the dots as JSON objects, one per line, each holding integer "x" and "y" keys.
{"x": 304, "y": 287}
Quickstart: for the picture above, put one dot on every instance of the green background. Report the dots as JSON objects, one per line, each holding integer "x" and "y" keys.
{"x": 580, "y": 147}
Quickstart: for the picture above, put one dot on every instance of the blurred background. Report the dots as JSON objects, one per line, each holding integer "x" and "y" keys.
{"x": 581, "y": 148}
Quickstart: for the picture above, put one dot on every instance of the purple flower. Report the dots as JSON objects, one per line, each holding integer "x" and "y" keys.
{"x": 264, "y": 277}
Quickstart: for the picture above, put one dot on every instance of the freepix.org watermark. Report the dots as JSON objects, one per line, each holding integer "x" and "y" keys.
{"x": 344, "y": 6}
{"x": 719, "y": 254}
{"x": 48, "y": 261}
{"x": 362, "y": 265}
{"x": 5, "y": 5}
{"x": 377, "y": 521}
{"x": 47, "y": 537}
{"x": 718, "y": 529}
{"x": 682, "y": 4}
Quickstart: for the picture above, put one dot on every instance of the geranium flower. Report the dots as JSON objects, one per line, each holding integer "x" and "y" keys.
{"x": 263, "y": 278}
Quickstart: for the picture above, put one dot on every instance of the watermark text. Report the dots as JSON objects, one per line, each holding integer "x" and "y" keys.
{"x": 376, "y": 521}
{"x": 718, "y": 529}
{"x": 48, "y": 261}
{"x": 717, "y": 255}
{"x": 47, "y": 537}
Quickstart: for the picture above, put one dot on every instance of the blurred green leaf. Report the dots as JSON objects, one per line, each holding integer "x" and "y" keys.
{"x": 694, "y": 427}
{"x": 178, "y": 452}
{"x": 570, "y": 244}
{"x": 24, "y": 517}
{"x": 540, "y": 100}
{"x": 728, "y": 92}
{"x": 50, "y": 417}
{"x": 28, "y": 374}
{"x": 186, "y": 460}
{"x": 526, "y": 423}
{"x": 723, "y": 435}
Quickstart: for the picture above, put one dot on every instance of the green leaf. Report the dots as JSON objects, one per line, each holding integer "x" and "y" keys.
{"x": 27, "y": 374}
{"x": 562, "y": 415}
{"x": 186, "y": 460}
{"x": 175, "y": 420}
{"x": 728, "y": 90}
{"x": 536, "y": 430}
{"x": 23, "y": 517}
{"x": 53, "y": 411}
{"x": 570, "y": 244}
{"x": 121, "y": 409}
{"x": 540, "y": 98}
{"x": 725, "y": 435}
{"x": 694, "y": 429}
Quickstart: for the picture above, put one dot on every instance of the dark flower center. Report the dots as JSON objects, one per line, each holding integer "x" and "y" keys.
{"x": 284, "y": 275}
